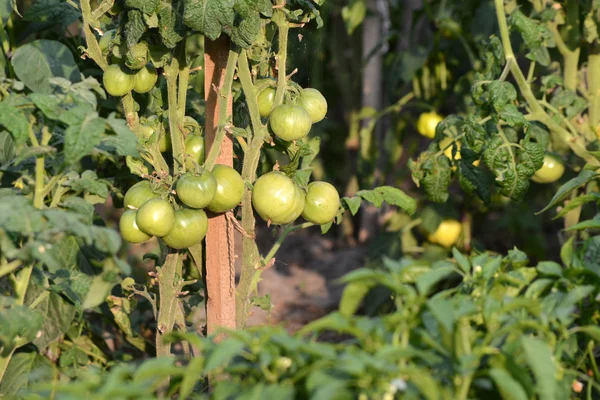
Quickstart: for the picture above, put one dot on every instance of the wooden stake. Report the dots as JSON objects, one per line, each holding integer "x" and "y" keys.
{"x": 220, "y": 271}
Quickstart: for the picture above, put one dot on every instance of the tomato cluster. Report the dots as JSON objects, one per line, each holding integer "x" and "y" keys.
{"x": 292, "y": 121}
{"x": 150, "y": 214}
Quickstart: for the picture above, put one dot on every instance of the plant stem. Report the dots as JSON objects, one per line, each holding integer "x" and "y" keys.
{"x": 283, "y": 27}
{"x": 251, "y": 158}
{"x": 172, "y": 73}
{"x": 93, "y": 48}
{"x": 281, "y": 238}
{"x": 223, "y": 94}
{"x": 593, "y": 77}
{"x": 168, "y": 301}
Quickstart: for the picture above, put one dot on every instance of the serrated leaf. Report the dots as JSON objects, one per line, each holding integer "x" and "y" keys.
{"x": 534, "y": 34}
{"x": 124, "y": 142}
{"x": 398, "y": 198}
{"x": 134, "y": 27}
{"x": 145, "y": 6}
{"x": 371, "y": 196}
{"x": 208, "y": 17}
{"x": 80, "y": 139}
{"x": 170, "y": 22}
{"x": 52, "y": 12}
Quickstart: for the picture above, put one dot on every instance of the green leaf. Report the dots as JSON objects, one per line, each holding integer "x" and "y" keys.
{"x": 352, "y": 296}
{"x": 80, "y": 139}
{"x": 462, "y": 261}
{"x": 223, "y": 354}
{"x": 539, "y": 358}
{"x": 352, "y": 204}
{"x": 591, "y": 330}
{"x": 57, "y": 314}
{"x": 589, "y": 224}
{"x": 563, "y": 192}
{"x": 18, "y": 323}
{"x": 124, "y": 142}
{"x": 55, "y": 12}
{"x": 428, "y": 280}
{"x": 7, "y": 147}
{"x": 576, "y": 202}
{"x": 434, "y": 173}
{"x": 208, "y": 16}
{"x": 354, "y": 15}
{"x": 509, "y": 388}
{"x": 23, "y": 370}
{"x": 14, "y": 122}
{"x": 535, "y": 36}
{"x": 550, "y": 268}
{"x": 170, "y": 23}
{"x": 443, "y": 312}
{"x": 398, "y": 198}
{"x": 145, "y": 6}
{"x": 134, "y": 28}
{"x": 36, "y": 62}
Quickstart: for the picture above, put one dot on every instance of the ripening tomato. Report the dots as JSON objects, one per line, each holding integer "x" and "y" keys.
{"x": 145, "y": 79}
{"x": 104, "y": 41}
{"x": 265, "y": 101}
{"x": 551, "y": 171}
{"x": 314, "y": 103}
{"x": 138, "y": 194}
{"x": 156, "y": 217}
{"x": 194, "y": 149}
{"x": 118, "y": 80}
{"x": 290, "y": 122}
{"x": 189, "y": 229}
{"x": 197, "y": 191}
{"x": 230, "y": 189}
{"x": 277, "y": 199}
{"x": 427, "y": 123}
{"x": 322, "y": 203}
{"x": 447, "y": 233}
{"x": 129, "y": 229}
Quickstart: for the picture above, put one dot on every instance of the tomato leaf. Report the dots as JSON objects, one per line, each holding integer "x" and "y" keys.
{"x": 81, "y": 138}
{"x": 170, "y": 22}
{"x": 145, "y": 6}
{"x": 208, "y": 16}
{"x": 14, "y": 122}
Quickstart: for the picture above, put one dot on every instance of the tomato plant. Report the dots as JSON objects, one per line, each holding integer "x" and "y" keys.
{"x": 552, "y": 170}
{"x": 155, "y": 217}
{"x": 138, "y": 194}
{"x": 118, "y": 81}
{"x": 145, "y": 79}
{"x": 129, "y": 229}
{"x": 277, "y": 199}
{"x": 194, "y": 149}
{"x": 322, "y": 203}
{"x": 229, "y": 189}
{"x": 290, "y": 122}
{"x": 314, "y": 103}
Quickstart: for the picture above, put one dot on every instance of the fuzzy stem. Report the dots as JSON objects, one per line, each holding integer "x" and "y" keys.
{"x": 251, "y": 159}
{"x": 172, "y": 73}
{"x": 593, "y": 77}
{"x": 281, "y": 238}
{"x": 168, "y": 302}
{"x": 93, "y": 48}
{"x": 284, "y": 28}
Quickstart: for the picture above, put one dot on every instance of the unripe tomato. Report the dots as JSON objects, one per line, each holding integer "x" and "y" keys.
{"x": 129, "y": 229}
{"x": 290, "y": 122}
{"x": 551, "y": 171}
{"x": 427, "y": 123}
{"x": 189, "y": 229}
{"x": 447, "y": 233}
{"x": 265, "y": 101}
{"x": 155, "y": 217}
{"x": 194, "y": 149}
{"x": 136, "y": 56}
{"x": 322, "y": 203}
{"x": 118, "y": 80}
{"x": 138, "y": 194}
{"x": 104, "y": 41}
{"x": 314, "y": 103}
{"x": 145, "y": 79}
{"x": 277, "y": 199}
{"x": 230, "y": 189}
{"x": 197, "y": 191}
{"x": 164, "y": 142}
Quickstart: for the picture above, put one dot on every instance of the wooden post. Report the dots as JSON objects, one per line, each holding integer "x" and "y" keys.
{"x": 220, "y": 271}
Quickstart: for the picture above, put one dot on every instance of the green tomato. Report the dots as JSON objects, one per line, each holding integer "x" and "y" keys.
{"x": 189, "y": 229}
{"x": 197, "y": 191}
{"x": 164, "y": 142}
{"x": 104, "y": 41}
{"x": 230, "y": 189}
{"x": 313, "y": 101}
{"x": 277, "y": 199}
{"x": 118, "y": 80}
{"x": 265, "y": 101}
{"x": 427, "y": 123}
{"x": 290, "y": 122}
{"x": 156, "y": 217}
{"x": 551, "y": 171}
{"x": 129, "y": 229}
{"x": 138, "y": 194}
{"x": 322, "y": 203}
{"x": 145, "y": 79}
{"x": 194, "y": 149}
